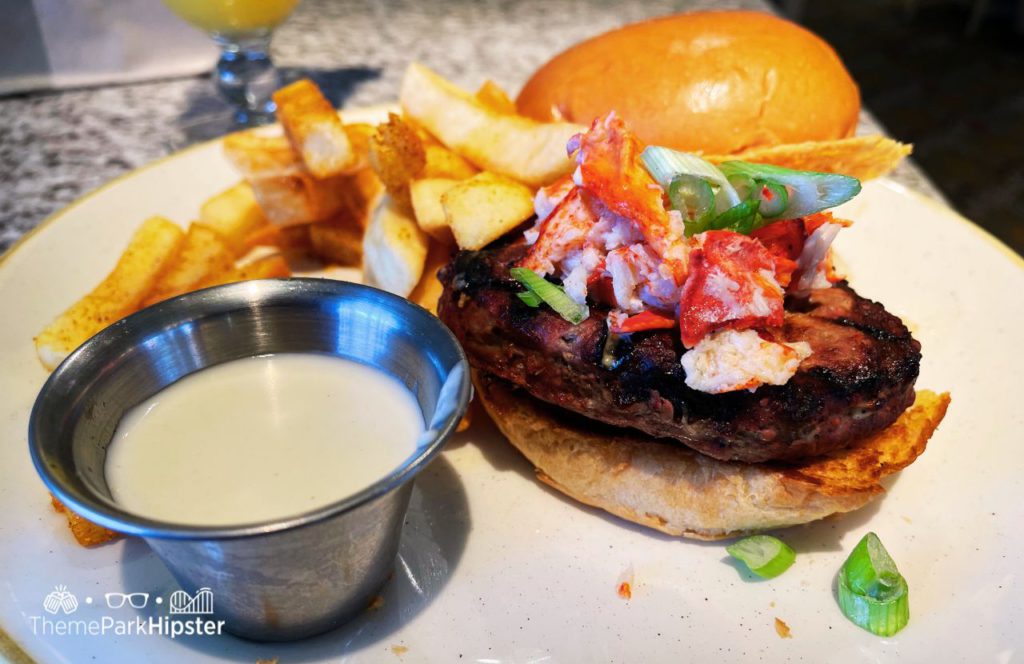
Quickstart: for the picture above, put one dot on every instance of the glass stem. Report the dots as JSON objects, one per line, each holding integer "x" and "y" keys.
{"x": 246, "y": 76}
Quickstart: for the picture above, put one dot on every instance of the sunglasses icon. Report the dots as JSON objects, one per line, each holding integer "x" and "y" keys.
{"x": 135, "y": 600}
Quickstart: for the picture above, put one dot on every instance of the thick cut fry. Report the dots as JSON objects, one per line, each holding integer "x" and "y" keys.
{"x": 394, "y": 249}
{"x": 427, "y": 209}
{"x": 337, "y": 241}
{"x": 518, "y": 147}
{"x": 204, "y": 255}
{"x": 359, "y": 134}
{"x": 862, "y": 157}
{"x": 314, "y": 128}
{"x": 397, "y": 156}
{"x": 428, "y": 290}
{"x": 257, "y": 156}
{"x": 149, "y": 252}
{"x": 495, "y": 98}
{"x": 443, "y": 163}
{"x": 300, "y": 198}
{"x": 485, "y": 207}
{"x": 286, "y": 238}
{"x": 86, "y": 532}
{"x": 235, "y": 214}
{"x": 268, "y": 267}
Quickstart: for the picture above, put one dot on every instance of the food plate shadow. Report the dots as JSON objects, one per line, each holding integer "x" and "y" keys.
{"x": 826, "y": 534}
{"x": 433, "y": 541}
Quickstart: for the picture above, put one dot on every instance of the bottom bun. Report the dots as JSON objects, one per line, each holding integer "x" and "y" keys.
{"x": 666, "y": 486}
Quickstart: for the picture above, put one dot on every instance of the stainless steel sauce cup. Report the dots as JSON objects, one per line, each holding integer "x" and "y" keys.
{"x": 287, "y": 578}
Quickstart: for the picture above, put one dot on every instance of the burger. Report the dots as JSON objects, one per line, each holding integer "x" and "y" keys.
{"x": 669, "y": 340}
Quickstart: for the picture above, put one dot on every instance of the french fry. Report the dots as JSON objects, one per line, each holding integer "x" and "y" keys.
{"x": 862, "y": 157}
{"x": 337, "y": 241}
{"x": 152, "y": 248}
{"x": 394, "y": 249}
{"x": 360, "y": 134}
{"x": 443, "y": 163}
{"x": 511, "y": 145}
{"x": 491, "y": 95}
{"x": 235, "y": 214}
{"x": 428, "y": 290}
{"x": 427, "y": 209}
{"x": 204, "y": 255}
{"x": 86, "y": 532}
{"x": 294, "y": 238}
{"x": 397, "y": 156}
{"x": 315, "y": 130}
{"x": 257, "y": 156}
{"x": 300, "y": 198}
{"x": 485, "y": 207}
{"x": 268, "y": 267}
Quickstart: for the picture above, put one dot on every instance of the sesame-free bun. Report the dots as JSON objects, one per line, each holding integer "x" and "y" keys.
{"x": 717, "y": 82}
{"x": 668, "y": 487}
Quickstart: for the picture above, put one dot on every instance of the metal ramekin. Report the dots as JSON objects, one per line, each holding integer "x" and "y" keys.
{"x": 282, "y": 579}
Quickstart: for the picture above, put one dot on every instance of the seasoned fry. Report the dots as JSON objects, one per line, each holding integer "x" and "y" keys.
{"x": 397, "y": 156}
{"x": 257, "y": 156}
{"x": 862, "y": 157}
{"x": 235, "y": 214}
{"x": 428, "y": 290}
{"x": 148, "y": 254}
{"x": 337, "y": 241}
{"x": 314, "y": 128}
{"x": 204, "y": 255}
{"x": 485, "y": 207}
{"x": 359, "y": 134}
{"x": 86, "y": 532}
{"x": 394, "y": 249}
{"x": 495, "y": 98}
{"x": 511, "y": 145}
{"x": 300, "y": 198}
{"x": 268, "y": 267}
{"x": 294, "y": 238}
{"x": 443, "y": 163}
{"x": 427, "y": 209}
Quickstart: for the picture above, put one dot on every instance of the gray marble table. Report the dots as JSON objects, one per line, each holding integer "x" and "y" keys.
{"x": 57, "y": 146}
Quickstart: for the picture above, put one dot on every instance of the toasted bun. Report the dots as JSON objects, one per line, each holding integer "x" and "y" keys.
{"x": 667, "y": 487}
{"x": 718, "y": 82}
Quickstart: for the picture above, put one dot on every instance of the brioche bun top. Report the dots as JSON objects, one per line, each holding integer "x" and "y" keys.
{"x": 717, "y": 82}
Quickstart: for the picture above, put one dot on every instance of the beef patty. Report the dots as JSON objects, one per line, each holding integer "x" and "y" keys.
{"x": 858, "y": 380}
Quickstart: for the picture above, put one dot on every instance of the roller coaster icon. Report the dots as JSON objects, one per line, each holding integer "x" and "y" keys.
{"x": 199, "y": 604}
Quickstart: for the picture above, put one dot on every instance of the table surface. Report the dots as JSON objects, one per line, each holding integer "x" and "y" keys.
{"x": 56, "y": 146}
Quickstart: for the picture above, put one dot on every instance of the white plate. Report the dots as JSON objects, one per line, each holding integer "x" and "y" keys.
{"x": 494, "y": 567}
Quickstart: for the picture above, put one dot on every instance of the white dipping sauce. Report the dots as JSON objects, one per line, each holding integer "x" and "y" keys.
{"x": 261, "y": 438}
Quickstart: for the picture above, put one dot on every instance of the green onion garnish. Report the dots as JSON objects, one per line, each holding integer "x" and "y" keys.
{"x": 693, "y": 197}
{"x": 551, "y": 294}
{"x": 665, "y": 164}
{"x": 742, "y": 218}
{"x": 764, "y": 555}
{"x": 872, "y": 592}
{"x": 809, "y": 191}
{"x": 529, "y": 298}
{"x": 773, "y": 197}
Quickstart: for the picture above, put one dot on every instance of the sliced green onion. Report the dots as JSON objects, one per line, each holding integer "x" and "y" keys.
{"x": 529, "y": 298}
{"x": 872, "y": 592}
{"x": 743, "y": 184}
{"x": 665, "y": 164}
{"x": 692, "y": 196}
{"x": 742, "y": 218}
{"x": 551, "y": 294}
{"x": 773, "y": 197}
{"x": 764, "y": 555}
{"x": 809, "y": 191}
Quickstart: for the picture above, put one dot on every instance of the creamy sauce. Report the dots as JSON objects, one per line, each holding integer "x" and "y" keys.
{"x": 261, "y": 438}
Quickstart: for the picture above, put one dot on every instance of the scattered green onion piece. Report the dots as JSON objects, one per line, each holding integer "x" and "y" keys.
{"x": 764, "y": 555}
{"x": 665, "y": 164}
{"x": 529, "y": 298}
{"x": 743, "y": 184}
{"x": 809, "y": 191}
{"x": 694, "y": 197}
{"x": 773, "y": 198}
{"x": 551, "y": 294}
{"x": 742, "y": 218}
{"x": 872, "y": 592}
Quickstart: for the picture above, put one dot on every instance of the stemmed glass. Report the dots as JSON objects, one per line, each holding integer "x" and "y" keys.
{"x": 244, "y": 75}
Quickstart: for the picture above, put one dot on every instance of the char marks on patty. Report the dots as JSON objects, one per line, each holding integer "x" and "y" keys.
{"x": 857, "y": 381}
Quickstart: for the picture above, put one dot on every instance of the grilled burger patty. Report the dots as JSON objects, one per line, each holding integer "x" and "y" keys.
{"x": 858, "y": 380}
